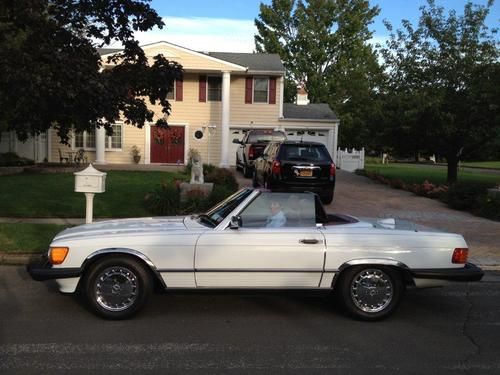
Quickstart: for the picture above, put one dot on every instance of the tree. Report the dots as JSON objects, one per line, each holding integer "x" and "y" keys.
{"x": 52, "y": 76}
{"x": 444, "y": 76}
{"x": 324, "y": 46}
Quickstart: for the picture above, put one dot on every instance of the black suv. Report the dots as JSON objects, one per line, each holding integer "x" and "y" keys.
{"x": 251, "y": 147}
{"x": 296, "y": 166}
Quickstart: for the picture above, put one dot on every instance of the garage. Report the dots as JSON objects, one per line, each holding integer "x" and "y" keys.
{"x": 292, "y": 134}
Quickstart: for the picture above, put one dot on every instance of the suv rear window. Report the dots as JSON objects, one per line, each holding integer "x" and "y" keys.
{"x": 304, "y": 152}
{"x": 262, "y": 136}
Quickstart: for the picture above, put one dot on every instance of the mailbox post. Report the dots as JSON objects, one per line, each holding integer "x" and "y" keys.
{"x": 90, "y": 181}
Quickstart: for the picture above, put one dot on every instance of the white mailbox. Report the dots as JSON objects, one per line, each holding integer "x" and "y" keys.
{"x": 90, "y": 180}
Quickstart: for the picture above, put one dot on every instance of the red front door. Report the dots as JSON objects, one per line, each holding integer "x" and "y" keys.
{"x": 167, "y": 145}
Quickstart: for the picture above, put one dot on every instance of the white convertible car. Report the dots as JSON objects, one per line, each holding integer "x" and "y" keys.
{"x": 254, "y": 240}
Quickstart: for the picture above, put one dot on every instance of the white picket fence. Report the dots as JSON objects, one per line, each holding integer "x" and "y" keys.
{"x": 350, "y": 161}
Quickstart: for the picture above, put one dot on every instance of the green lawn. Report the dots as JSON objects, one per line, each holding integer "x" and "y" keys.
{"x": 52, "y": 195}
{"x": 20, "y": 237}
{"x": 482, "y": 164}
{"x": 418, "y": 173}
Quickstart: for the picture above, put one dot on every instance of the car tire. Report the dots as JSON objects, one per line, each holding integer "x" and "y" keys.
{"x": 238, "y": 166}
{"x": 247, "y": 171}
{"x": 255, "y": 182}
{"x": 117, "y": 287}
{"x": 327, "y": 198}
{"x": 267, "y": 185}
{"x": 370, "y": 292}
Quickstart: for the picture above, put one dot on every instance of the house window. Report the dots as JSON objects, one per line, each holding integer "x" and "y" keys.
{"x": 171, "y": 92}
{"x": 85, "y": 140}
{"x": 214, "y": 89}
{"x": 115, "y": 141}
{"x": 260, "y": 90}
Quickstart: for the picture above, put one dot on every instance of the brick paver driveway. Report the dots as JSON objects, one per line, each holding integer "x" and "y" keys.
{"x": 362, "y": 197}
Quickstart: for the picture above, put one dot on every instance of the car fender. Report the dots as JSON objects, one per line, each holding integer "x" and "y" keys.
{"x": 407, "y": 277}
{"x": 93, "y": 257}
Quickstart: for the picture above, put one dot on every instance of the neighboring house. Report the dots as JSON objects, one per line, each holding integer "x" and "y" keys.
{"x": 221, "y": 96}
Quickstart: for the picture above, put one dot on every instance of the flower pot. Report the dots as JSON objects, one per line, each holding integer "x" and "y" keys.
{"x": 137, "y": 159}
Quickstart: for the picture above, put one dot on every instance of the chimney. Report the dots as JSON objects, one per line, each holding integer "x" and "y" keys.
{"x": 301, "y": 96}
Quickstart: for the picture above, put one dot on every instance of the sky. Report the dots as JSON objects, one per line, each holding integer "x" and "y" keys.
{"x": 228, "y": 25}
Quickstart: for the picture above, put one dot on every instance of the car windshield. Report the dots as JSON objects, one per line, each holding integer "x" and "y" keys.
{"x": 266, "y": 136}
{"x": 304, "y": 152}
{"x": 216, "y": 214}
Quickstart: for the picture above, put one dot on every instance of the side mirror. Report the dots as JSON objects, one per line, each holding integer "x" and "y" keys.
{"x": 235, "y": 222}
{"x": 236, "y": 140}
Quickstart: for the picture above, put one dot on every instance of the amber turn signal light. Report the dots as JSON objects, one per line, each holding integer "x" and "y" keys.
{"x": 460, "y": 255}
{"x": 58, "y": 254}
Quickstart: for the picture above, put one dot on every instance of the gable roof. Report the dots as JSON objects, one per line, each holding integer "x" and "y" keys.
{"x": 266, "y": 62}
{"x": 319, "y": 111}
{"x": 106, "y": 51}
{"x": 254, "y": 62}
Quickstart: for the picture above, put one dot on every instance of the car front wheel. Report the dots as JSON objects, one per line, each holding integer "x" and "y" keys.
{"x": 117, "y": 287}
{"x": 370, "y": 292}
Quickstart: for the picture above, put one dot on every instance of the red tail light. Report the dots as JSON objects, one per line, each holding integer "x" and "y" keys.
{"x": 332, "y": 169}
{"x": 276, "y": 168}
{"x": 251, "y": 152}
{"x": 460, "y": 256}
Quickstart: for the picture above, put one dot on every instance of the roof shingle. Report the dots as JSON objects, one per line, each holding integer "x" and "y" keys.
{"x": 318, "y": 111}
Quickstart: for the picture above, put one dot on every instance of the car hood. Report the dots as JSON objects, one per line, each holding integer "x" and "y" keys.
{"x": 124, "y": 227}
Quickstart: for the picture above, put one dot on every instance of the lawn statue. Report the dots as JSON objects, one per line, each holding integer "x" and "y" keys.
{"x": 196, "y": 167}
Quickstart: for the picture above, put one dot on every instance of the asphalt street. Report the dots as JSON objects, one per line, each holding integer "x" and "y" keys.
{"x": 435, "y": 331}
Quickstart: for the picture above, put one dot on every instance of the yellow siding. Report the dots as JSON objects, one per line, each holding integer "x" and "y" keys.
{"x": 251, "y": 114}
{"x": 190, "y": 60}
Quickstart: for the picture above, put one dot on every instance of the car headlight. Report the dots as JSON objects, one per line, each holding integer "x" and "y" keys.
{"x": 58, "y": 254}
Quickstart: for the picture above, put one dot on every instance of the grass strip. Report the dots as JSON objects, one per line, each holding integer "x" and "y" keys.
{"x": 53, "y": 195}
{"x": 27, "y": 238}
{"x": 417, "y": 174}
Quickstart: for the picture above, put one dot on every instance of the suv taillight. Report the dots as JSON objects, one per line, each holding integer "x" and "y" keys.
{"x": 460, "y": 255}
{"x": 276, "y": 167}
{"x": 332, "y": 169}
{"x": 251, "y": 152}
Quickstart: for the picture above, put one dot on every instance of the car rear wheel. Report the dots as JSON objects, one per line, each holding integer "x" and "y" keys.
{"x": 247, "y": 171}
{"x": 370, "y": 292}
{"x": 327, "y": 198}
{"x": 255, "y": 182}
{"x": 117, "y": 287}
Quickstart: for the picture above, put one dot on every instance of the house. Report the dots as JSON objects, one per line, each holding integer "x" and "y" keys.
{"x": 221, "y": 96}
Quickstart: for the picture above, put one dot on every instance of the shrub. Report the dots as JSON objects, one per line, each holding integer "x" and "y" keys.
{"x": 489, "y": 207}
{"x": 465, "y": 196}
{"x": 222, "y": 177}
{"x": 164, "y": 200}
{"x": 195, "y": 202}
{"x": 11, "y": 159}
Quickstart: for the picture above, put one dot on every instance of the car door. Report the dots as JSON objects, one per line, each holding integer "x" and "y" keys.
{"x": 257, "y": 255}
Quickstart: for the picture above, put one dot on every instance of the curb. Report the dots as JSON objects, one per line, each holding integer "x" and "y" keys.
{"x": 18, "y": 259}
{"x": 22, "y": 259}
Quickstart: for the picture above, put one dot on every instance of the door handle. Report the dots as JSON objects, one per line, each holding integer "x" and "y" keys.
{"x": 309, "y": 241}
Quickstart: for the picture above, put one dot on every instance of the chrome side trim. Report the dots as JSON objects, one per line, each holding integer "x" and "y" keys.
{"x": 135, "y": 253}
{"x": 380, "y": 261}
{"x": 357, "y": 262}
{"x": 249, "y": 270}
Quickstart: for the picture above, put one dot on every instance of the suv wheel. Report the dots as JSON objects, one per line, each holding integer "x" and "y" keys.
{"x": 247, "y": 172}
{"x": 327, "y": 198}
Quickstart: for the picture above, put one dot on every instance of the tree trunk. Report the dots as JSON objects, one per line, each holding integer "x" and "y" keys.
{"x": 452, "y": 169}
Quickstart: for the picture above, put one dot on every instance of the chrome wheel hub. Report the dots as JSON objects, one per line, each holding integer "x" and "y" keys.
{"x": 372, "y": 290}
{"x": 116, "y": 288}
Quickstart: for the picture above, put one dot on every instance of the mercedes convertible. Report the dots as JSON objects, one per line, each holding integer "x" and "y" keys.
{"x": 258, "y": 240}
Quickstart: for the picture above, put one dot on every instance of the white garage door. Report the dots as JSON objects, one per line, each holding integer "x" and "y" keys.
{"x": 308, "y": 135}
